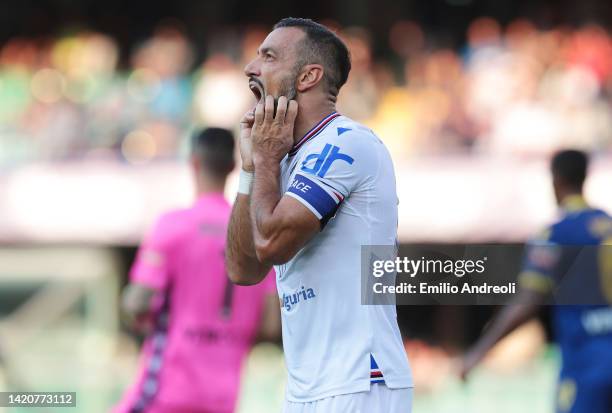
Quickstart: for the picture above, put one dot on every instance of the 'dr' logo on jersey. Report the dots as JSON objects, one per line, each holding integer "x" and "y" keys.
{"x": 324, "y": 160}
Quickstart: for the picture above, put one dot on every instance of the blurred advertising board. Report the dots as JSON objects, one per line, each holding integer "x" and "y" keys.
{"x": 441, "y": 199}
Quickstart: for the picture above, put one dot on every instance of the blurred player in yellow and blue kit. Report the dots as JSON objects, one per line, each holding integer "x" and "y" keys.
{"x": 571, "y": 262}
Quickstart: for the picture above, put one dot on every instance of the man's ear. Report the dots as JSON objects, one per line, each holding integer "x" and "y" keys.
{"x": 310, "y": 76}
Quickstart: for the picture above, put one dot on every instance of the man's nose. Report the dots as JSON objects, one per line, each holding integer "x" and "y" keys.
{"x": 252, "y": 69}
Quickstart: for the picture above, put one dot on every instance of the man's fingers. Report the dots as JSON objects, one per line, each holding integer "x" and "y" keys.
{"x": 269, "y": 109}
{"x": 248, "y": 118}
{"x": 281, "y": 109}
{"x": 259, "y": 113}
{"x": 292, "y": 111}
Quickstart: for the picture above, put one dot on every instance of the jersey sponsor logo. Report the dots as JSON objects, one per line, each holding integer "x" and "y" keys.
{"x": 324, "y": 160}
{"x": 598, "y": 321}
{"x": 291, "y": 300}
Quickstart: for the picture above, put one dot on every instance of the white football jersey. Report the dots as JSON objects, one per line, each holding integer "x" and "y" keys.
{"x": 333, "y": 344}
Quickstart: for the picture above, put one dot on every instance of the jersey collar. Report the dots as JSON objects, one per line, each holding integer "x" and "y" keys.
{"x": 574, "y": 203}
{"x": 205, "y": 198}
{"x": 318, "y": 128}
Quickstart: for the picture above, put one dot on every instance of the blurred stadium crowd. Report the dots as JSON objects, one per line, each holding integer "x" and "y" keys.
{"x": 512, "y": 90}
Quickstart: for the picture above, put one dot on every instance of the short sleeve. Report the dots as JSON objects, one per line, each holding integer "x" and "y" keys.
{"x": 541, "y": 258}
{"x": 152, "y": 264}
{"x": 326, "y": 176}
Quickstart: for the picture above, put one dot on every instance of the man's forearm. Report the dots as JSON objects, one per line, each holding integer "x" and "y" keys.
{"x": 243, "y": 267}
{"x": 513, "y": 315}
{"x": 507, "y": 321}
{"x": 281, "y": 225}
{"x": 137, "y": 307}
{"x": 522, "y": 308}
{"x": 265, "y": 197}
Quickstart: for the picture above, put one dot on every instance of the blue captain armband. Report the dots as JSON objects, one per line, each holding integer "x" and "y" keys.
{"x": 319, "y": 198}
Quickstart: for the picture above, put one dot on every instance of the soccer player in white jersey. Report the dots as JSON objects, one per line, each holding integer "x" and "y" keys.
{"x": 316, "y": 186}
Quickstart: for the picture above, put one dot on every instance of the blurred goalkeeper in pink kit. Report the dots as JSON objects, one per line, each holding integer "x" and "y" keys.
{"x": 199, "y": 326}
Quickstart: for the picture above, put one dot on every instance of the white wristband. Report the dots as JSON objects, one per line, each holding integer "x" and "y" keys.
{"x": 246, "y": 182}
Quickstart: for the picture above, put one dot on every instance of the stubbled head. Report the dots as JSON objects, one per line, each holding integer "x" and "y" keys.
{"x": 299, "y": 56}
{"x": 212, "y": 153}
{"x": 569, "y": 171}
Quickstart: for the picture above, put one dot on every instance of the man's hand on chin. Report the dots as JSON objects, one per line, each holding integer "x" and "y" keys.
{"x": 272, "y": 136}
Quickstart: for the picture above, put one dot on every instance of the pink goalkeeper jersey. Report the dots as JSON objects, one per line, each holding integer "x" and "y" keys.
{"x": 205, "y": 324}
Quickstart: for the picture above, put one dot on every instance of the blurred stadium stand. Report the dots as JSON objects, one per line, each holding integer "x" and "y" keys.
{"x": 98, "y": 99}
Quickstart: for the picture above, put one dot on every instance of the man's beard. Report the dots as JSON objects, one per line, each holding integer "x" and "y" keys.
{"x": 287, "y": 88}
